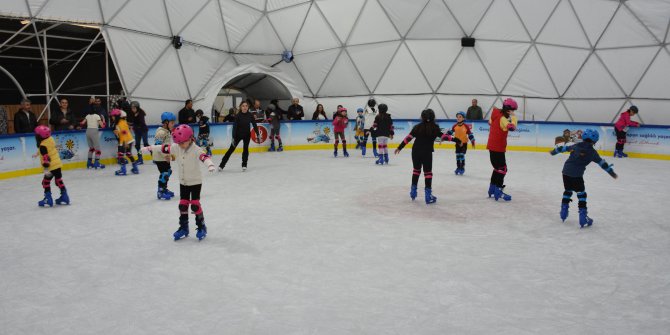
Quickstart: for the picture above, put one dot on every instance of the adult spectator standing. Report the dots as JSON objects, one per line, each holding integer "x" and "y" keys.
{"x": 139, "y": 128}
{"x": 474, "y": 112}
{"x": 101, "y": 110}
{"x": 24, "y": 120}
{"x": 63, "y": 118}
{"x": 231, "y": 115}
{"x": 295, "y": 111}
{"x": 319, "y": 113}
{"x": 257, "y": 112}
{"x": 187, "y": 114}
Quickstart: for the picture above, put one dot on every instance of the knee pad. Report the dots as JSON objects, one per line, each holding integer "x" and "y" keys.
{"x": 621, "y": 141}
{"x": 195, "y": 207}
{"x": 98, "y": 152}
{"x": 164, "y": 177}
{"x": 581, "y": 196}
{"x": 416, "y": 172}
{"x": 502, "y": 170}
{"x": 91, "y": 150}
{"x": 428, "y": 175}
{"x": 337, "y": 142}
{"x": 183, "y": 206}
{"x": 567, "y": 195}
{"x": 59, "y": 182}
{"x": 46, "y": 182}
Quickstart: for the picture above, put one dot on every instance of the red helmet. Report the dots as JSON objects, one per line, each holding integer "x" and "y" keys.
{"x": 510, "y": 104}
{"x": 115, "y": 112}
{"x": 43, "y": 131}
{"x": 182, "y": 133}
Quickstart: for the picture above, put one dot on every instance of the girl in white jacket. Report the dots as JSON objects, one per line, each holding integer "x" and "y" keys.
{"x": 187, "y": 155}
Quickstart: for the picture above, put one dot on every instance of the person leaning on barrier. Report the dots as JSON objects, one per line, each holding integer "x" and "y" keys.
{"x": 24, "y": 120}
{"x": 63, "y": 118}
{"x": 474, "y": 112}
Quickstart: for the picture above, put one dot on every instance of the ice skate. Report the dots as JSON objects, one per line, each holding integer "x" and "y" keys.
{"x": 47, "y": 201}
{"x": 64, "y": 199}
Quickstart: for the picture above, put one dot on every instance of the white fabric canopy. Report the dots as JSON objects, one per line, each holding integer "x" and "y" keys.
{"x": 565, "y": 59}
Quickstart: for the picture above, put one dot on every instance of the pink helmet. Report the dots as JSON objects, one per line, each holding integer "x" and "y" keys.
{"x": 43, "y": 131}
{"x": 510, "y": 103}
{"x": 115, "y": 112}
{"x": 182, "y": 133}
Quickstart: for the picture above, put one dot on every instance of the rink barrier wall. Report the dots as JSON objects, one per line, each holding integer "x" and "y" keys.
{"x": 18, "y": 152}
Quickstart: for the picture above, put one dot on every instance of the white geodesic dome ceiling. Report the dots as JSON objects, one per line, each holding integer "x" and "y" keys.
{"x": 566, "y": 60}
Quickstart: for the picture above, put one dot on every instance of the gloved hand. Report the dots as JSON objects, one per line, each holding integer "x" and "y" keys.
{"x": 397, "y": 151}
{"x": 511, "y": 127}
{"x": 211, "y": 168}
{"x": 473, "y": 144}
{"x": 147, "y": 150}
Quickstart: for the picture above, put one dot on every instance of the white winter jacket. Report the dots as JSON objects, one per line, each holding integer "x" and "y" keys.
{"x": 188, "y": 160}
{"x": 162, "y": 137}
{"x": 369, "y": 115}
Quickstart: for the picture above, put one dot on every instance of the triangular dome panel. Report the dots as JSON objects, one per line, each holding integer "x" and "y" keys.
{"x": 133, "y": 16}
{"x": 593, "y": 110}
{"x": 14, "y": 8}
{"x": 625, "y": 30}
{"x": 501, "y": 23}
{"x": 71, "y": 10}
{"x": 500, "y": 58}
{"x": 467, "y": 76}
{"x": 657, "y": 79}
{"x": 315, "y": 34}
{"x": 563, "y": 28}
{"x": 434, "y": 67}
{"x": 468, "y": 13}
{"x": 135, "y": 53}
{"x": 238, "y": 19}
{"x": 594, "y": 16}
{"x": 593, "y": 81}
{"x": 315, "y": 66}
{"x": 435, "y": 105}
{"x": 405, "y": 107}
{"x": 255, "y": 4}
{"x": 403, "y": 13}
{"x": 343, "y": 79}
{"x": 560, "y": 114}
{"x": 372, "y": 59}
{"x": 262, "y": 39}
{"x": 372, "y": 26}
{"x": 287, "y": 22}
{"x": 435, "y": 22}
{"x": 280, "y": 4}
{"x": 653, "y": 14}
{"x": 110, "y": 7}
{"x": 403, "y": 76}
{"x": 534, "y": 13}
{"x": 200, "y": 64}
{"x": 654, "y": 105}
{"x": 342, "y": 14}
{"x": 181, "y": 12}
{"x": 36, "y": 6}
{"x": 153, "y": 85}
{"x": 537, "y": 109}
{"x": 627, "y": 65}
{"x": 531, "y": 78}
{"x": 562, "y": 63}
{"x": 207, "y": 29}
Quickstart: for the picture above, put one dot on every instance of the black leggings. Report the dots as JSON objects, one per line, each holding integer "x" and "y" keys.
{"x": 574, "y": 184}
{"x": 373, "y": 134}
{"x": 46, "y": 181}
{"x": 620, "y": 139}
{"x": 499, "y": 168}
{"x": 190, "y": 195}
{"x": 165, "y": 172}
{"x": 245, "y": 152}
{"x": 422, "y": 160}
{"x": 461, "y": 150}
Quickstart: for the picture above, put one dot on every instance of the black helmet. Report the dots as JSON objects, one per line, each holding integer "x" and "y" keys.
{"x": 428, "y": 115}
{"x": 383, "y": 108}
{"x": 633, "y": 109}
{"x": 372, "y": 102}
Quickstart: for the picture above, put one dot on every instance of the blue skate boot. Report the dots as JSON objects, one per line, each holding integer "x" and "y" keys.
{"x": 386, "y": 159}
{"x": 89, "y": 163}
{"x": 374, "y": 152}
{"x": 457, "y": 171}
{"x": 134, "y": 169}
{"x": 492, "y": 190}
{"x": 162, "y": 194}
{"x": 280, "y": 148}
{"x": 335, "y": 153}
{"x": 64, "y": 199}
{"x": 430, "y": 198}
{"x": 140, "y": 160}
{"x": 500, "y": 194}
{"x": 564, "y": 211}
{"x": 363, "y": 148}
{"x": 622, "y": 154}
{"x": 121, "y": 171}
{"x": 346, "y": 154}
{"x": 272, "y": 147}
{"x": 584, "y": 219}
{"x": 182, "y": 232}
{"x": 380, "y": 160}
{"x": 98, "y": 165}
{"x": 201, "y": 231}
{"x": 168, "y": 192}
{"x": 47, "y": 201}
{"x": 412, "y": 192}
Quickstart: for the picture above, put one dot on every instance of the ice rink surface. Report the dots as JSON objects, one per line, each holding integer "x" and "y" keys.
{"x": 303, "y": 243}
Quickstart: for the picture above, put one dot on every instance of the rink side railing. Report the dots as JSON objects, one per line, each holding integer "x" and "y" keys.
{"x": 18, "y": 152}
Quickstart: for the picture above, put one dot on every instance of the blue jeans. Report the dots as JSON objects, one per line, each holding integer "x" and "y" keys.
{"x": 141, "y": 135}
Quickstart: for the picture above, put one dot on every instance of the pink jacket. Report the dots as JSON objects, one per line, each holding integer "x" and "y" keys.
{"x": 624, "y": 121}
{"x": 340, "y": 124}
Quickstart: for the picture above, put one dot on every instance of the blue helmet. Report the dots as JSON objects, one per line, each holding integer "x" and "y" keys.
{"x": 590, "y": 134}
{"x": 461, "y": 113}
{"x": 360, "y": 110}
{"x": 168, "y": 116}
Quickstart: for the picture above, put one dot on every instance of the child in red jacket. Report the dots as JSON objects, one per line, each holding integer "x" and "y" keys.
{"x": 340, "y": 122}
{"x": 501, "y": 123}
{"x": 621, "y": 127}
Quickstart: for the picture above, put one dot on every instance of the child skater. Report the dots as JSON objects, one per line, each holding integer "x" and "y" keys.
{"x": 581, "y": 154}
{"x": 369, "y": 114}
{"x": 502, "y": 121}
{"x": 340, "y": 122}
{"x": 359, "y": 133}
{"x": 125, "y": 137}
{"x": 93, "y": 122}
{"x": 461, "y": 131}
{"x": 422, "y": 152}
{"x": 51, "y": 162}
{"x": 203, "y": 132}
{"x": 163, "y": 136}
{"x": 621, "y": 128}
{"x": 187, "y": 154}
{"x": 383, "y": 128}
{"x": 274, "y": 118}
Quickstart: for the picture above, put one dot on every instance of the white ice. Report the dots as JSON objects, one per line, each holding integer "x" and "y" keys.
{"x": 303, "y": 243}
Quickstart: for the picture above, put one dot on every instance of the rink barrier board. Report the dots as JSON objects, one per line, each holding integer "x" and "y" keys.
{"x": 648, "y": 142}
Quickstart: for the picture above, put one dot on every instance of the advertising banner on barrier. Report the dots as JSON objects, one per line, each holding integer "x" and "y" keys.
{"x": 17, "y": 153}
